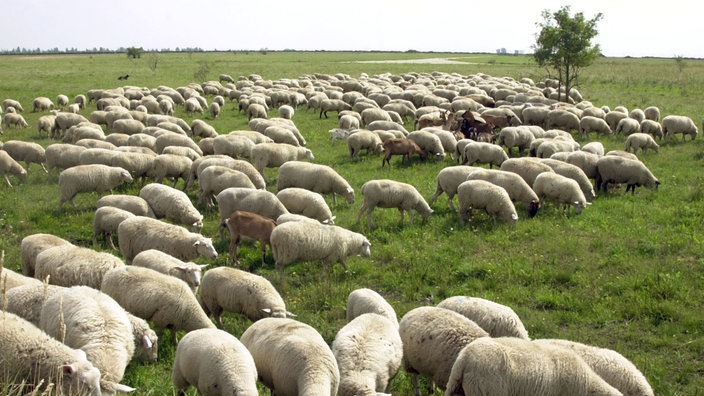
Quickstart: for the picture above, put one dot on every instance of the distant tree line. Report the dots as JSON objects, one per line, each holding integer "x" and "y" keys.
{"x": 94, "y": 50}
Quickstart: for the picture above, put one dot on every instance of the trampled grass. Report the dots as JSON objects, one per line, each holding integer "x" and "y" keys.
{"x": 626, "y": 274}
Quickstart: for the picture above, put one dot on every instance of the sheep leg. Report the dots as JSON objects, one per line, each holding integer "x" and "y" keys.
{"x": 436, "y": 194}
{"x": 401, "y": 210}
{"x": 450, "y": 204}
{"x": 263, "y": 245}
{"x": 108, "y": 236}
{"x": 7, "y": 181}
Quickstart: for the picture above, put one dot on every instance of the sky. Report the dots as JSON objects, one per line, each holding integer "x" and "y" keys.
{"x": 628, "y": 28}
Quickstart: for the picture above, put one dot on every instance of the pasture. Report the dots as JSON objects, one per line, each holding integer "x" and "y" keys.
{"x": 625, "y": 274}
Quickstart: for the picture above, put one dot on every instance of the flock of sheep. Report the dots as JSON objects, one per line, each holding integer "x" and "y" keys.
{"x": 103, "y": 307}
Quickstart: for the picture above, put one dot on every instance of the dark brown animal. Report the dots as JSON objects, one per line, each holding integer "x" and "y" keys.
{"x": 404, "y": 147}
{"x": 242, "y": 223}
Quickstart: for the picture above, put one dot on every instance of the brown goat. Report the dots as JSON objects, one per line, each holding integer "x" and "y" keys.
{"x": 443, "y": 120}
{"x": 242, "y": 223}
{"x": 404, "y": 147}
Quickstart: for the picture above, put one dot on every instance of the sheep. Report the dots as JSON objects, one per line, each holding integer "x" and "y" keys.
{"x": 248, "y": 224}
{"x": 256, "y": 110}
{"x": 11, "y": 103}
{"x": 374, "y": 114}
{"x": 517, "y": 188}
{"x": 498, "y": 320}
{"x": 627, "y": 126}
{"x": 139, "y": 164}
{"x": 613, "y": 118}
{"x": 481, "y": 194}
{"x": 202, "y": 129}
{"x": 637, "y": 114}
{"x": 428, "y": 142}
{"x": 561, "y": 190}
{"x": 552, "y": 146}
{"x": 482, "y": 152}
{"x": 616, "y": 169}
{"x": 10, "y": 279}
{"x": 610, "y": 365}
{"x": 307, "y": 203}
{"x": 163, "y": 300}
{"x": 448, "y": 179}
{"x": 214, "y": 109}
{"x": 306, "y": 241}
{"x": 215, "y": 363}
{"x": 33, "y": 357}
{"x": 234, "y": 146}
{"x": 519, "y": 137}
{"x": 146, "y": 342}
{"x": 385, "y": 193}
{"x": 535, "y": 115}
{"x": 261, "y": 202}
{"x": 32, "y": 245}
{"x": 272, "y": 155}
{"x": 42, "y": 103}
{"x": 181, "y": 151}
{"x": 401, "y": 146}
{"x": 101, "y": 156}
{"x": 642, "y": 141}
{"x": 623, "y": 154}
{"x": 167, "y": 264}
{"x": 586, "y": 161}
{"x": 589, "y": 124}
{"x": 13, "y": 120}
{"x": 508, "y": 365}
{"x": 387, "y": 126}
{"x": 173, "y": 139}
{"x": 292, "y": 358}
{"x": 214, "y": 179}
{"x": 318, "y": 178}
{"x": 573, "y": 172}
{"x": 651, "y": 113}
{"x": 286, "y": 111}
{"x": 127, "y": 126}
{"x": 362, "y": 301}
{"x": 89, "y": 178}
{"x": 333, "y": 105}
{"x": 45, "y": 123}
{"x": 364, "y": 140}
{"x": 255, "y": 136}
{"x": 82, "y": 131}
{"x": 594, "y": 148}
{"x": 241, "y": 165}
{"x": 12, "y": 167}
{"x": 192, "y": 105}
{"x": 432, "y": 338}
{"x": 69, "y": 265}
{"x": 674, "y": 124}
{"x": 651, "y": 127}
{"x": 527, "y": 168}
{"x": 172, "y": 204}
{"x": 368, "y": 351}
{"x": 131, "y": 203}
{"x": 349, "y": 122}
{"x": 562, "y": 119}
{"x": 139, "y": 233}
{"x": 26, "y": 301}
{"x": 142, "y": 140}
{"x": 84, "y": 318}
{"x": 105, "y": 222}
{"x": 173, "y": 166}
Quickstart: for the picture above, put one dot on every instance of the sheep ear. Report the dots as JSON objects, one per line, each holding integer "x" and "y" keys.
{"x": 290, "y": 315}
{"x": 146, "y": 342}
{"x": 68, "y": 369}
{"x": 123, "y": 388}
{"x": 350, "y": 190}
{"x": 196, "y": 243}
{"x": 266, "y": 311}
{"x": 202, "y": 266}
{"x": 514, "y": 216}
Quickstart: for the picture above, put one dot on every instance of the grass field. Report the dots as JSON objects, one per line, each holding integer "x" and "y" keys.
{"x": 626, "y": 274}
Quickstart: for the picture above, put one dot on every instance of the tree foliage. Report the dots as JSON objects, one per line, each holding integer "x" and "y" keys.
{"x": 134, "y": 52}
{"x": 564, "y": 44}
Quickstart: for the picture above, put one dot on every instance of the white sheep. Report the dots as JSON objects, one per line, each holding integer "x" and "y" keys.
{"x": 307, "y": 203}
{"x": 174, "y": 139}
{"x": 226, "y": 289}
{"x": 214, "y": 109}
{"x": 368, "y": 351}
{"x": 560, "y": 190}
{"x": 562, "y": 119}
{"x": 364, "y": 140}
{"x": 13, "y": 120}
{"x": 62, "y": 156}
{"x": 146, "y": 342}
{"x": 88, "y": 178}
{"x": 610, "y": 365}
{"x": 585, "y": 161}
{"x": 448, "y": 179}
{"x": 519, "y": 137}
{"x": 165, "y": 263}
{"x": 163, "y": 300}
{"x": 573, "y": 172}
{"x": 286, "y": 111}
{"x": 547, "y": 148}
{"x": 142, "y": 233}
{"x": 32, "y": 356}
{"x": 26, "y": 301}
{"x": 280, "y": 133}
{"x": 139, "y": 164}
{"x": 429, "y": 142}
{"x": 364, "y": 300}
{"x": 215, "y": 363}
{"x": 594, "y": 148}
{"x": 171, "y": 166}
{"x": 192, "y": 105}
{"x": 651, "y": 127}
{"x": 45, "y": 123}
{"x": 272, "y": 155}
{"x": 318, "y": 178}
{"x": 216, "y": 178}
{"x": 235, "y": 146}
{"x": 9, "y": 166}
{"x": 131, "y": 203}
{"x": 484, "y": 153}
{"x": 69, "y": 265}
{"x": 141, "y": 140}
{"x": 589, "y": 124}
{"x": 432, "y": 338}
{"x": 640, "y": 141}
{"x": 181, "y": 151}
{"x": 11, "y": 103}
{"x": 385, "y": 193}
{"x": 84, "y": 318}
{"x": 349, "y": 121}
{"x": 387, "y": 126}
{"x": 32, "y": 245}
{"x": 651, "y": 113}
{"x": 128, "y": 126}
{"x": 202, "y": 129}
{"x": 627, "y": 126}
{"x": 172, "y": 204}
{"x": 340, "y": 134}
{"x": 508, "y": 366}
{"x": 10, "y": 279}
{"x": 29, "y": 152}
{"x": 481, "y": 194}
{"x": 261, "y": 202}
{"x": 307, "y": 241}
{"x": 527, "y": 168}
{"x": 255, "y": 136}
{"x": 333, "y": 105}
{"x": 292, "y": 358}
{"x": 105, "y": 222}
{"x": 241, "y": 165}
{"x": 674, "y": 124}
{"x": 517, "y": 188}
{"x": 498, "y": 320}
{"x": 615, "y": 169}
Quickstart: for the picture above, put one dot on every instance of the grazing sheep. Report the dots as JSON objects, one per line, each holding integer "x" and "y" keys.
{"x": 307, "y": 241}
{"x": 105, "y": 222}
{"x": 527, "y": 168}
{"x": 173, "y": 139}
{"x": 26, "y": 301}
{"x": 172, "y": 204}
{"x": 139, "y": 164}
{"x": 241, "y": 165}
{"x": 560, "y": 190}
{"x": 182, "y": 151}
{"x": 172, "y": 166}
{"x": 385, "y": 193}
{"x": 573, "y": 172}
{"x": 623, "y": 154}
{"x": 233, "y": 290}
{"x": 498, "y": 320}
{"x": 192, "y": 105}
{"x": 349, "y": 121}
{"x": 146, "y": 342}
{"x": 32, "y": 245}
{"x": 13, "y": 120}
{"x": 517, "y": 188}
{"x": 651, "y": 127}
{"x": 586, "y": 161}
{"x": 481, "y": 194}
{"x": 11, "y": 103}
{"x": 314, "y": 177}
{"x": 562, "y": 119}
{"x": 448, "y": 179}
{"x": 637, "y": 114}
{"x": 509, "y": 366}
{"x": 69, "y": 265}
{"x": 333, "y": 105}
{"x": 428, "y": 142}
{"x": 403, "y": 147}
{"x": 387, "y": 126}
{"x": 248, "y": 224}
{"x": 131, "y": 203}
{"x": 364, "y": 140}
{"x": 651, "y": 113}
{"x": 256, "y": 110}
{"x": 551, "y": 146}
{"x": 127, "y": 126}
{"x": 485, "y": 153}
{"x": 84, "y": 318}
{"x": 261, "y": 202}
{"x": 616, "y": 169}
{"x": 286, "y": 111}
{"x": 306, "y": 203}
{"x": 10, "y": 279}
{"x": 368, "y": 351}
{"x": 42, "y": 103}
{"x": 33, "y": 357}
{"x": 167, "y": 264}
{"x": 12, "y": 167}
{"x": 519, "y": 137}
{"x": 202, "y": 129}
{"x": 272, "y": 155}
{"x": 627, "y": 126}
{"x": 88, "y": 178}
{"x": 45, "y": 123}
{"x": 235, "y": 146}
{"x": 642, "y": 141}
{"x": 432, "y": 338}
{"x": 589, "y": 124}
{"x": 594, "y": 148}
{"x": 214, "y": 179}
{"x": 214, "y": 109}
{"x": 292, "y": 358}
{"x": 102, "y": 156}
{"x": 674, "y": 124}
{"x": 161, "y": 299}
{"x": 215, "y": 363}
{"x": 363, "y": 301}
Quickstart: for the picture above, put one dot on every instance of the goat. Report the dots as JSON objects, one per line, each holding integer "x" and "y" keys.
{"x": 401, "y": 146}
{"x": 248, "y": 224}
{"x": 444, "y": 120}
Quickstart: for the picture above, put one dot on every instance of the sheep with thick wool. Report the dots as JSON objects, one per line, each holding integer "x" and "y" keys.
{"x": 272, "y": 155}
{"x": 586, "y": 161}
{"x": 588, "y": 124}
{"x": 482, "y": 194}
{"x": 235, "y": 146}
{"x": 640, "y": 141}
{"x": 448, "y": 179}
{"x": 90, "y": 178}
{"x": 13, "y": 120}
{"x": 318, "y": 178}
{"x": 9, "y": 166}
{"x": 215, "y": 363}
{"x": 214, "y": 179}
{"x": 189, "y": 272}
{"x": 62, "y": 156}
{"x": 131, "y": 203}
{"x": 202, "y": 129}
{"x": 484, "y": 153}
{"x": 518, "y": 137}
{"x": 32, "y": 245}
{"x": 614, "y": 169}
{"x": 675, "y": 124}
{"x": 26, "y": 301}
{"x": 139, "y": 164}
{"x": 364, "y": 300}
{"x": 517, "y": 188}
{"x": 307, "y": 203}
{"x": 652, "y": 128}
{"x": 105, "y": 222}
{"x": 627, "y": 126}
{"x": 525, "y": 167}
{"x": 241, "y": 165}
{"x": 174, "y": 139}
{"x": 70, "y": 265}
{"x": 10, "y": 279}
{"x": 429, "y": 142}
{"x": 386, "y": 193}
{"x": 172, "y": 204}
{"x": 261, "y": 202}
{"x": 573, "y": 172}
{"x": 561, "y": 190}
{"x": 498, "y": 320}
{"x": 292, "y": 358}
{"x": 171, "y": 166}
{"x": 29, "y": 152}
{"x": 280, "y": 133}
{"x": 364, "y": 140}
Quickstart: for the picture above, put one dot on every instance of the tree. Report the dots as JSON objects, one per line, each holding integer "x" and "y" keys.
{"x": 134, "y": 52}
{"x": 564, "y": 44}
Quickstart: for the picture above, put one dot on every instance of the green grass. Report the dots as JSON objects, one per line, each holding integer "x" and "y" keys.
{"x": 626, "y": 274}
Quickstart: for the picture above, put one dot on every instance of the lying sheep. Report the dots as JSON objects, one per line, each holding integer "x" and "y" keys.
{"x": 252, "y": 225}
{"x": 364, "y": 140}
{"x": 498, "y": 320}
{"x": 12, "y": 167}
{"x": 307, "y": 241}
{"x": 616, "y": 169}
{"x": 448, "y": 179}
{"x": 172, "y": 204}
{"x": 32, "y": 245}
{"x": 233, "y": 290}
{"x": 142, "y": 233}
{"x": 517, "y": 188}
{"x": 362, "y": 301}
{"x": 314, "y": 177}
{"x": 507, "y": 365}
{"x": 131, "y": 203}
{"x": 69, "y": 265}
{"x": 272, "y": 155}
{"x": 674, "y": 124}
{"x": 385, "y": 193}
{"x": 560, "y": 190}
{"x": 484, "y": 153}
{"x": 189, "y": 272}
{"x": 88, "y": 178}
{"x": 214, "y": 179}
{"x": 105, "y": 222}
{"x": 368, "y": 351}
{"x": 307, "y": 203}
{"x": 29, "y": 152}
{"x": 215, "y": 363}
{"x": 481, "y": 194}
{"x": 261, "y": 202}
{"x": 432, "y": 338}
{"x": 640, "y": 141}
{"x": 292, "y": 358}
